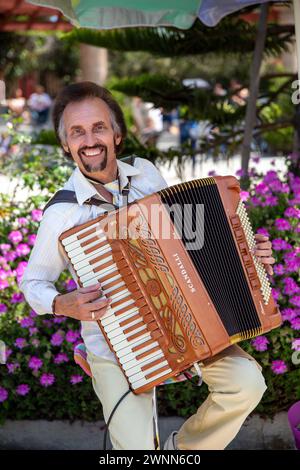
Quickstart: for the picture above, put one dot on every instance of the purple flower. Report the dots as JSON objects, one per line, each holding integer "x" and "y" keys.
{"x": 288, "y": 314}
{"x": 72, "y": 336}
{"x": 255, "y": 201}
{"x": 295, "y": 323}
{"x": 61, "y": 357}
{"x": 20, "y": 343}
{"x": 22, "y": 221}
{"x": 3, "y": 284}
{"x": 47, "y": 379}
{"x": 3, "y": 308}
{"x": 292, "y": 212}
{"x": 3, "y": 394}
{"x": 276, "y": 293}
{"x": 263, "y": 231}
{"x": 10, "y": 256}
{"x": 31, "y": 239}
{"x": 21, "y": 268}
{"x": 71, "y": 285}
{"x": 35, "y": 363}
{"x": 270, "y": 176}
{"x": 211, "y": 173}
{"x": 56, "y": 339}
{"x": 240, "y": 172}
{"x": 279, "y": 367}
{"x": 282, "y": 224}
{"x": 5, "y": 247}
{"x": 278, "y": 269}
{"x": 296, "y": 344}
{"x": 256, "y": 159}
{"x": 75, "y": 379}
{"x": 33, "y": 314}
{"x": 22, "y": 389}
{"x": 22, "y": 249}
{"x": 260, "y": 343}
{"x": 17, "y": 298}
{"x": 15, "y": 236}
{"x": 270, "y": 201}
{"x": 261, "y": 189}
{"x": 36, "y": 215}
{"x": 280, "y": 244}
{"x": 244, "y": 195}
{"x": 35, "y": 342}
{"x": 290, "y": 286}
{"x": 295, "y": 300}
{"x": 26, "y": 322}
{"x": 11, "y": 367}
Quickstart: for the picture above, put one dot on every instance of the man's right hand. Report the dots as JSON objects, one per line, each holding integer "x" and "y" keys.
{"x": 81, "y": 302}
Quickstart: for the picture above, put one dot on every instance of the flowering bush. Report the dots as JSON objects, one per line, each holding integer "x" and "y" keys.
{"x": 40, "y": 379}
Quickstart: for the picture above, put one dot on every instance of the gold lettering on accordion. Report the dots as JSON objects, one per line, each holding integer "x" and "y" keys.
{"x": 161, "y": 288}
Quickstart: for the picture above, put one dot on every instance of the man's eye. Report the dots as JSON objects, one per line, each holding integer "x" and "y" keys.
{"x": 99, "y": 128}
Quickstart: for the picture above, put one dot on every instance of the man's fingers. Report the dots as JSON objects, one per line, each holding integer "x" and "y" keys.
{"x": 263, "y": 245}
{"x": 89, "y": 296}
{"x": 261, "y": 237}
{"x": 98, "y": 312}
{"x": 269, "y": 269}
{"x": 92, "y": 288}
{"x": 266, "y": 260}
{"x": 97, "y": 304}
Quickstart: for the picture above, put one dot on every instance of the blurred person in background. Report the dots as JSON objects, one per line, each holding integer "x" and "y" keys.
{"x": 39, "y": 104}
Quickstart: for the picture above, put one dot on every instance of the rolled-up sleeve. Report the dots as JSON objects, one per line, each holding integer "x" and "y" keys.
{"x": 46, "y": 263}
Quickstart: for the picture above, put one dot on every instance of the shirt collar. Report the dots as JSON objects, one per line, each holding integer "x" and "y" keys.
{"x": 85, "y": 190}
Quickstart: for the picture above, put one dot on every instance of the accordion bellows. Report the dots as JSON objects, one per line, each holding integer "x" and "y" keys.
{"x": 183, "y": 289}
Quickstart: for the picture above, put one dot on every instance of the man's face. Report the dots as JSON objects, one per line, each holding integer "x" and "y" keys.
{"x": 90, "y": 137}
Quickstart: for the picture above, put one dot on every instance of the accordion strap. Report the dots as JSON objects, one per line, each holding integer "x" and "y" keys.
{"x": 65, "y": 195}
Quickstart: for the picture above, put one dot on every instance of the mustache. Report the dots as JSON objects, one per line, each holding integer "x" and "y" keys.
{"x": 95, "y": 147}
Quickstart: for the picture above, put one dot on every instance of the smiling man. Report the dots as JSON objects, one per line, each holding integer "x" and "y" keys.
{"x": 90, "y": 126}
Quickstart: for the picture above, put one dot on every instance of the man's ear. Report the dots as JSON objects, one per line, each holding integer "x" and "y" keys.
{"x": 118, "y": 139}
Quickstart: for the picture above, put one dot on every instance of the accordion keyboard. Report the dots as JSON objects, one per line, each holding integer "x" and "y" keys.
{"x": 128, "y": 324}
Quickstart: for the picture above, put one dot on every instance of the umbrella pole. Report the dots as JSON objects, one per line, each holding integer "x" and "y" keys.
{"x": 297, "y": 32}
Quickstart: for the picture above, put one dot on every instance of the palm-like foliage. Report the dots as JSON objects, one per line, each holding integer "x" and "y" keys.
{"x": 232, "y": 35}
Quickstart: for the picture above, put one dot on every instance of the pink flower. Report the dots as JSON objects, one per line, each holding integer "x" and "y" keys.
{"x": 10, "y": 256}
{"x": 47, "y": 380}
{"x": 15, "y": 236}
{"x": 31, "y": 239}
{"x": 282, "y": 224}
{"x": 3, "y": 284}
{"x": 280, "y": 244}
{"x": 21, "y": 268}
{"x": 22, "y": 389}
{"x": 279, "y": 367}
{"x": 22, "y": 221}
{"x": 35, "y": 363}
{"x": 296, "y": 344}
{"x": 75, "y": 379}
{"x": 278, "y": 269}
{"x": 244, "y": 195}
{"x": 260, "y": 343}
{"x": 5, "y": 247}
{"x": 37, "y": 215}
{"x": 22, "y": 249}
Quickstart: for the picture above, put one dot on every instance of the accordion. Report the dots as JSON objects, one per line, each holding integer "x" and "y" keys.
{"x": 183, "y": 281}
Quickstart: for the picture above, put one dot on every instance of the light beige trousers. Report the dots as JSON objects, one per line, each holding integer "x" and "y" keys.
{"x": 236, "y": 386}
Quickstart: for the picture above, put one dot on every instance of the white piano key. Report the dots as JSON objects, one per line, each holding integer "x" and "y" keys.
{"x": 134, "y": 366}
{"x": 111, "y": 279}
{"x": 74, "y": 237}
{"x": 121, "y": 337}
{"x": 123, "y": 358}
{"x": 116, "y": 286}
{"x": 120, "y": 295}
{"x": 112, "y": 331}
{"x": 80, "y": 250}
{"x": 142, "y": 374}
{"x": 90, "y": 267}
{"x": 142, "y": 382}
{"x": 126, "y": 345}
{"x": 98, "y": 274}
{"x": 86, "y": 260}
{"x": 77, "y": 243}
{"x": 123, "y": 305}
{"x": 112, "y": 318}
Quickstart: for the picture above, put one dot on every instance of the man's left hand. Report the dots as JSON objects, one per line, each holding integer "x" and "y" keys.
{"x": 263, "y": 252}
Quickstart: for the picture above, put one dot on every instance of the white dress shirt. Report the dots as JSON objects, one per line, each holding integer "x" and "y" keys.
{"x": 46, "y": 260}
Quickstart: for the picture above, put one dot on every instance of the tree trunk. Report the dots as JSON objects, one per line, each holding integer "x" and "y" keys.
{"x": 250, "y": 119}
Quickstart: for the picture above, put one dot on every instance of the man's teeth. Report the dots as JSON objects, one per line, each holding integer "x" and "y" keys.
{"x": 91, "y": 153}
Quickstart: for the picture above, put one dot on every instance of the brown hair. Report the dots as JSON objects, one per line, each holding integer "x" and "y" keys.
{"x": 80, "y": 91}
